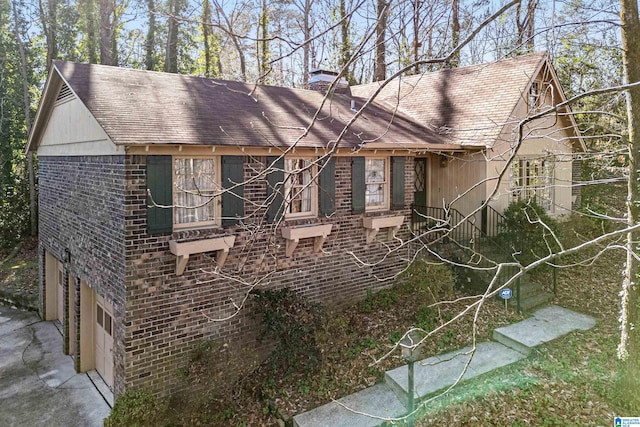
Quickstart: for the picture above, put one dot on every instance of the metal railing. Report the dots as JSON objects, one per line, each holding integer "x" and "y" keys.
{"x": 494, "y": 239}
{"x": 449, "y": 224}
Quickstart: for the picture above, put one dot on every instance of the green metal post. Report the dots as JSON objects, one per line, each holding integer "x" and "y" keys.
{"x": 518, "y": 294}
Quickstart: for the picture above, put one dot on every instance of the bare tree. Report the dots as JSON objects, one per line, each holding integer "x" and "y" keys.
{"x": 380, "y": 64}
{"x": 629, "y": 348}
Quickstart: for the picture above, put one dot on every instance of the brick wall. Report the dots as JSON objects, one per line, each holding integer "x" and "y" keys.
{"x": 166, "y": 314}
{"x": 81, "y": 207}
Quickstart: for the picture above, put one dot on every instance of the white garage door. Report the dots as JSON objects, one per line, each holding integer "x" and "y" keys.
{"x": 60, "y": 294}
{"x": 104, "y": 339}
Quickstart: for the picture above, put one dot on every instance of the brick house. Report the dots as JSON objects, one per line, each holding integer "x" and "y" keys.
{"x": 164, "y": 199}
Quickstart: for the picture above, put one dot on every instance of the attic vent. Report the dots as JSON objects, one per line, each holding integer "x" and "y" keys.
{"x": 65, "y": 94}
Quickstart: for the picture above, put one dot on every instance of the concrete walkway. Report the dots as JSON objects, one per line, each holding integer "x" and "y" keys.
{"x": 387, "y": 400}
{"x": 38, "y": 385}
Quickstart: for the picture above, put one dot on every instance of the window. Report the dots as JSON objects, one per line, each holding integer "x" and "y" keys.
{"x": 532, "y": 179}
{"x": 300, "y": 188}
{"x": 536, "y": 97}
{"x": 376, "y": 184}
{"x": 195, "y": 183}
{"x": 186, "y": 188}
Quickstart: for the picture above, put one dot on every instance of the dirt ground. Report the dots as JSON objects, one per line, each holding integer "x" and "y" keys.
{"x": 19, "y": 276}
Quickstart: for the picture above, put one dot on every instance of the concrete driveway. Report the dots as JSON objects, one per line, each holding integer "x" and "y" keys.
{"x": 38, "y": 385}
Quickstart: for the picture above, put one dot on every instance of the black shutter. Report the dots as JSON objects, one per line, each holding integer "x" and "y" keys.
{"x": 159, "y": 184}
{"x": 357, "y": 184}
{"x": 327, "y": 187}
{"x": 275, "y": 188}
{"x": 232, "y": 200}
{"x": 397, "y": 182}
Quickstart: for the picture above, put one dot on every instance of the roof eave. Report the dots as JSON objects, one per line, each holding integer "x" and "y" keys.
{"x": 568, "y": 111}
{"x": 45, "y": 107}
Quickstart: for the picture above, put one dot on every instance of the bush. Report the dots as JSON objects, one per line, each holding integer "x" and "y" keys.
{"x": 428, "y": 281}
{"x": 136, "y": 408}
{"x": 293, "y": 322}
{"x": 426, "y": 318}
{"x": 380, "y": 300}
{"x": 523, "y": 232}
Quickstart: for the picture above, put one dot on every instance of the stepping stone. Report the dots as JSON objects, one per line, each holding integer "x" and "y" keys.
{"x": 545, "y": 325}
{"x": 439, "y": 372}
{"x": 378, "y": 401}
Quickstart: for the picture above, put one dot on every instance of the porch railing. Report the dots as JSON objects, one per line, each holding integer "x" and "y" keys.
{"x": 449, "y": 224}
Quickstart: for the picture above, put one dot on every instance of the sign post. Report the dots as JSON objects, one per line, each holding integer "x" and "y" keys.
{"x": 505, "y": 294}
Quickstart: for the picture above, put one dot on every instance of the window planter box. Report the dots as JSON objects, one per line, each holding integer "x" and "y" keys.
{"x": 182, "y": 250}
{"x": 373, "y": 224}
{"x": 318, "y": 232}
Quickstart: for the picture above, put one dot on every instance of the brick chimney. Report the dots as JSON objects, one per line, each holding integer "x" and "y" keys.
{"x": 321, "y": 80}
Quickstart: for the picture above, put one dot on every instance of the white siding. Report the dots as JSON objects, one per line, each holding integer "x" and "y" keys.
{"x": 72, "y": 131}
{"x": 454, "y": 181}
{"x": 543, "y": 137}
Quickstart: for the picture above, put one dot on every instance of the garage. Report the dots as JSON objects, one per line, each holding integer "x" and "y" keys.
{"x": 54, "y": 289}
{"x": 104, "y": 339}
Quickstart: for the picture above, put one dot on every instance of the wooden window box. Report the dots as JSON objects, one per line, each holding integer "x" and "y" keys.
{"x": 182, "y": 250}
{"x": 318, "y": 232}
{"x": 373, "y": 224}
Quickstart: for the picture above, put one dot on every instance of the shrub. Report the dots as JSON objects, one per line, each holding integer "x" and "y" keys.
{"x": 136, "y": 408}
{"x": 523, "y": 232}
{"x": 293, "y": 322}
{"x": 427, "y": 280}
{"x": 380, "y": 300}
{"x": 426, "y": 318}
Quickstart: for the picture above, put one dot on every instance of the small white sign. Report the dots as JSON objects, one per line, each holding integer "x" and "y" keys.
{"x": 627, "y": 422}
{"x": 506, "y": 293}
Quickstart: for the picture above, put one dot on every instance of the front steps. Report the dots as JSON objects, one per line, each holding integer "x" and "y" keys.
{"x": 386, "y": 401}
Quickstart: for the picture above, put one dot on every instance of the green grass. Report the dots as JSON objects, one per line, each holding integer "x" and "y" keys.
{"x": 567, "y": 382}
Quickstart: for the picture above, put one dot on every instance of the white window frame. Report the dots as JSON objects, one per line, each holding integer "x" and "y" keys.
{"x": 386, "y": 184}
{"x": 299, "y": 190}
{"x": 538, "y": 186}
{"x": 214, "y": 204}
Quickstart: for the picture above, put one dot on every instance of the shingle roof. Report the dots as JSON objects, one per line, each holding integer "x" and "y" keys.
{"x": 142, "y": 107}
{"x": 472, "y": 104}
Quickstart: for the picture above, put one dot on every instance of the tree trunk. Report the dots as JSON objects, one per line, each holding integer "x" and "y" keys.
{"x": 106, "y": 29}
{"x": 92, "y": 43}
{"x": 307, "y": 43}
{"x": 455, "y": 32}
{"x": 345, "y": 42}
{"x": 171, "y": 57}
{"x": 150, "y": 42}
{"x": 628, "y": 382}
{"x": 526, "y": 25}
{"x": 206, "y": 34}
{"x": 228, "y": 28}
{"x": 49, "y": 20}
{"x": 263, "y": 43}
{"x": 380, "y": 64}
{"x": 26, "y": 103}
{"x": 416, "y": 35}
